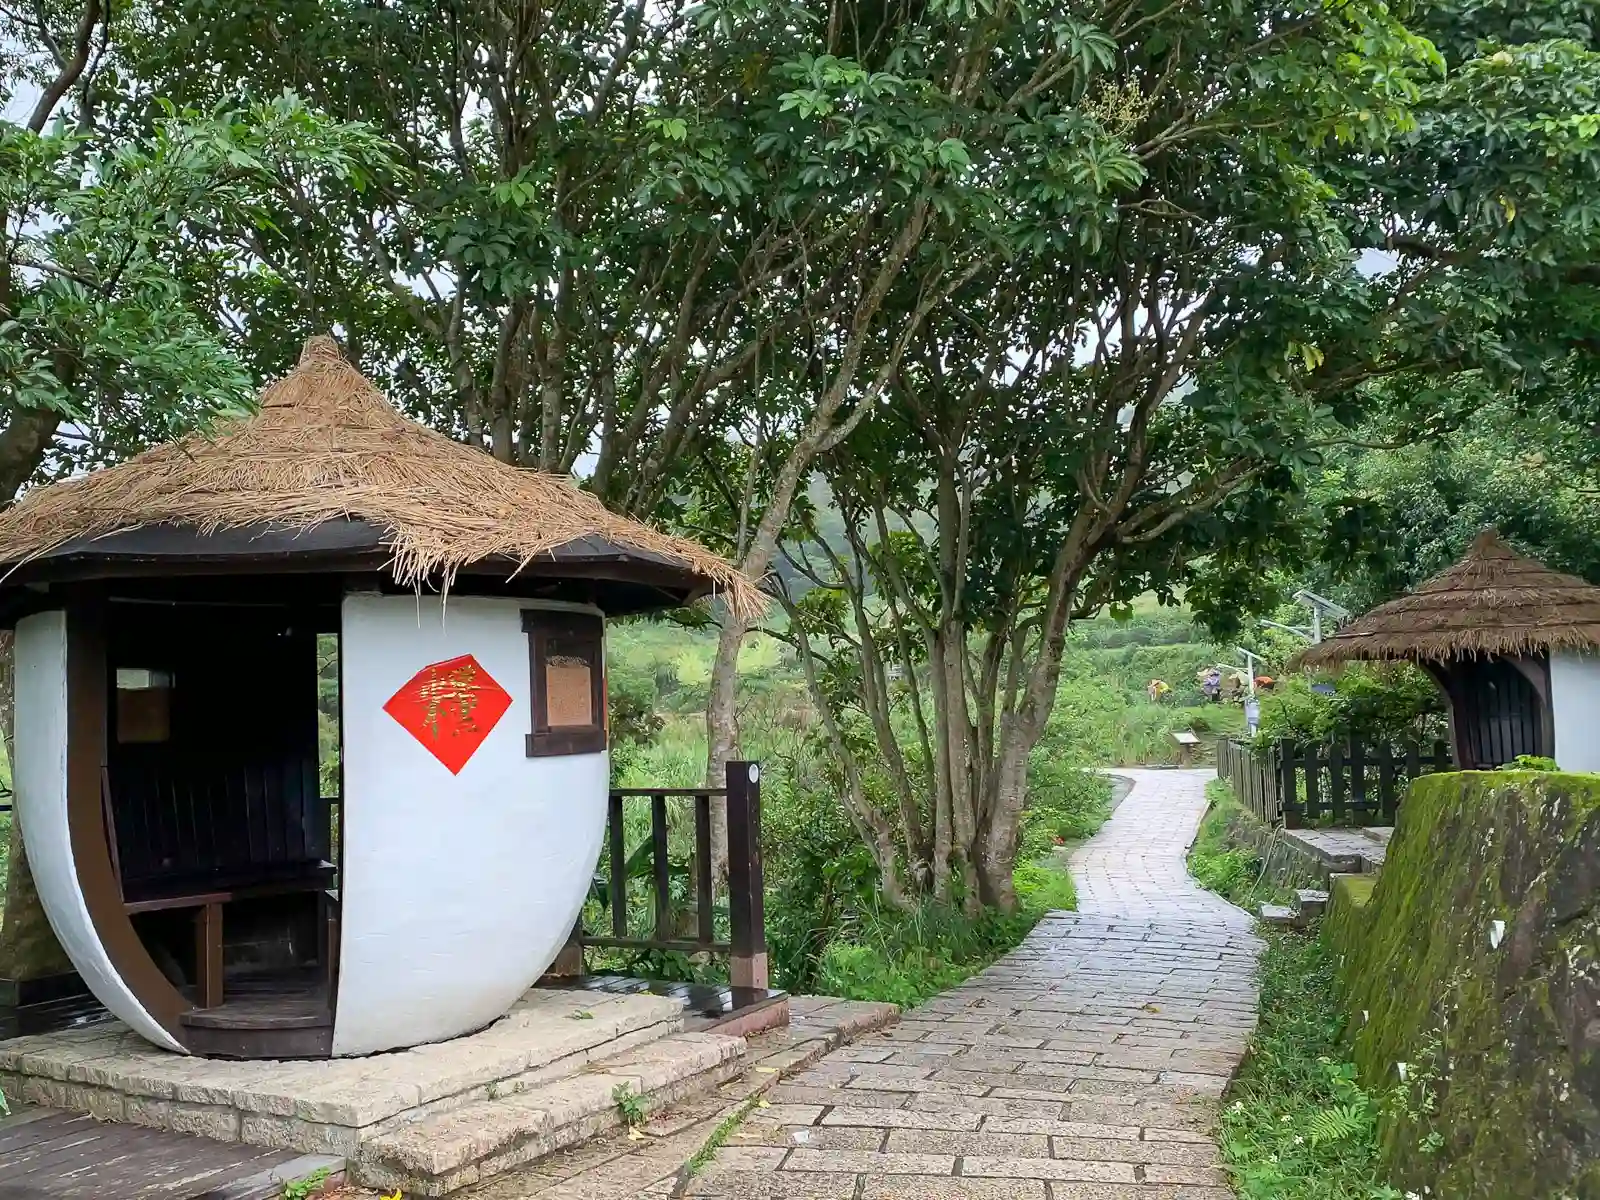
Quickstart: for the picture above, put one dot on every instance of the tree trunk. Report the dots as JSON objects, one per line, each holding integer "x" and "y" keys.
{"x": 722, "y": 727}
{"x": 22, "y": 448}
{"x": 997, "y": 851}
{"x": 28, "y": 946}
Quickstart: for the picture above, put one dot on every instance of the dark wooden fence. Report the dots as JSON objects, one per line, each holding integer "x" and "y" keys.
{"x": 1342, "y": 783}
{"x": 1254, "y": 777}
{"x": 745, "y": 945}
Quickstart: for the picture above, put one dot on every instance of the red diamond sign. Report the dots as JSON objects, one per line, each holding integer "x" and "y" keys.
{"x": 450, "y": 707}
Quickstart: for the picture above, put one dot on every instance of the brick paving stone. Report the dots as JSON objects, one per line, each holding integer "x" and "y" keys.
{"x": 940, "y": 1187}
{"x": 892, "y": 1118}
{"x": 813, "y": 1137}
{"x": 749, "y": 1186}
{"x": 1004, "y": 1145}
{"x": 1084, "y": 1065}
{"x": 990, "y": 1105}
{"x": 1135, "y": 1191}
{"x": 1192, "y": 1154}
{"x": 870, "y": 1164}
{"x": 1064, "y": 1129}
{"x": 979, "y": 1166}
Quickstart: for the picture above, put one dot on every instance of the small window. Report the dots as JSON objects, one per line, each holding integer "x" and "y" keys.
{"x": 566, "y": 656}
{"x": 144, "y": 706}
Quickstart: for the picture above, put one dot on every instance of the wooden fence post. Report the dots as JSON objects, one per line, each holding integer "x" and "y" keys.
{"x": 747, "y": 965}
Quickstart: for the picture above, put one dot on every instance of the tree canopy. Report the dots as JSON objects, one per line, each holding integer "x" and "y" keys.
{"x": 1065, "y": 303}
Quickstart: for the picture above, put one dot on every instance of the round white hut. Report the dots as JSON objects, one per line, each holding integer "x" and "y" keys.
{"x": 311, "y": 720}
{"x": 1514, "y": 646}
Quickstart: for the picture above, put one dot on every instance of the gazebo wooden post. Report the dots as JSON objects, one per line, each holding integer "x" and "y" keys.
{"x": 747, "y": 966}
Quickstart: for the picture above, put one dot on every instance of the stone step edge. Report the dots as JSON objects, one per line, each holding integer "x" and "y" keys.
{"x": 744, "y": 1092}
{"x": 1280, "y": 915}
{"x": 482, "y": 1140}
{"x": 568, "y": 1066}
{"x": 733, "y": 1102}
{"x": 1313, "y": 899}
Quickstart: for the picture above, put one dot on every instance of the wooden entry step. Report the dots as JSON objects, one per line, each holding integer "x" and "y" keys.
{"x": 50, "y": 1155}
{"x": 278, "y": 1016}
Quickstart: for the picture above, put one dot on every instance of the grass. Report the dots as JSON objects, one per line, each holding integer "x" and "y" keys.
{"x": 906, "y": 958}
{"x": 1220, "y": 862}
{"x": 1044, "y": 887}
{"x": 719, "y": 1137}
{"x": 310, "y": 1185}
{"x": 630, "y": 1105}
{"x": 1296, "y": 1123}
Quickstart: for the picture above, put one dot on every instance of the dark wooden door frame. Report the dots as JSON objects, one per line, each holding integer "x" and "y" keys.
{"x": 88, "y": 694}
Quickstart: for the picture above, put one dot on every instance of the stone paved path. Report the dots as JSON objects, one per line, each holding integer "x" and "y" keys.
{"x": 1085, "y": 1065}
{"x": 1134, "y": 867}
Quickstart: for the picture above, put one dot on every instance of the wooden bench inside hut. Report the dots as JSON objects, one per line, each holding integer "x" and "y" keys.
{"x": 220, "y": 832}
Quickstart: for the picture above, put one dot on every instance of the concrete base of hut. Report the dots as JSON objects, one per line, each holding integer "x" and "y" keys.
{"x": 428, "y": 1120}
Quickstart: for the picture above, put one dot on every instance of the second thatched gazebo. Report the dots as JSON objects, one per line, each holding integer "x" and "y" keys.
{"x": 311, "y": 745}
{"x": 1514, "y": 645}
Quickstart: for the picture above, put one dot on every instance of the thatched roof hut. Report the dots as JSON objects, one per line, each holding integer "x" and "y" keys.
{"x": 1514, "y": 646}
{"x": 335, "y": 687}
{"x": 327, "y": 464}
{"x": 1493, "y": 602}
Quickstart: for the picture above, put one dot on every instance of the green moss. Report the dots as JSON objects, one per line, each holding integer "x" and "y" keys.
{"x": 1355, "y": 889}
{"x": 1475, "y": 962}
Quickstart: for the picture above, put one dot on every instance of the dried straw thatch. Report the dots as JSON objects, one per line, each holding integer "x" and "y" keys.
{"x": 325, "y": 446}
{"x": 1492, "y": 602}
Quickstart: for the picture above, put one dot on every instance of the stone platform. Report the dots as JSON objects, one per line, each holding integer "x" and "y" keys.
{"x": 430, "y": 1119}
{"x": 1350, "y": 851}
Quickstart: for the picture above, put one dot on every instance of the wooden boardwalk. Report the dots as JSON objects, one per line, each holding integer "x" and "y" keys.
{"x": 50, "y": 1155}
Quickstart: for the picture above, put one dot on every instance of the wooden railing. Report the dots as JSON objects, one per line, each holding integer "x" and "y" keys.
{"x": 1254, "y": 777}
{"x": 1342, "y": 783}
{"x": 745, "y": 944}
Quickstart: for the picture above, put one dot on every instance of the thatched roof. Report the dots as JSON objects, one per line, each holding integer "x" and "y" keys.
{"x": 1492, "y": 602}
{"x": 327, "y": 449}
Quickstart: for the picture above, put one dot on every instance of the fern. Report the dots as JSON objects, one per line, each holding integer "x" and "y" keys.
{"x": 1338, "y": 1123}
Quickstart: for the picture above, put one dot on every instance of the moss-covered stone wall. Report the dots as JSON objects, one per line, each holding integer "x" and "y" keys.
{"x": 1472, "y": 979}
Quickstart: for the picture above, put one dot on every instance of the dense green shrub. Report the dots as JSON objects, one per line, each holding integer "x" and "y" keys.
{"x": 1161, "y": 626}
{"x": 904, "y": 958}
{"x": 818, "y": 871}
{"x": 1377, "y": 703}
{"x": 1065, "y": 803}
{"x": 1220, "y": 860}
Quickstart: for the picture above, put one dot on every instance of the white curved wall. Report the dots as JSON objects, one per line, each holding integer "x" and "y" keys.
{"x": 39, "y": 777}
{"x": 1575, "y": 706}
{"x": 457, "y": 890}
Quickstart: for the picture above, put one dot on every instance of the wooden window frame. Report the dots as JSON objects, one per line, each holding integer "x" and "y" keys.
{"x": 120, "y": 731}
{"x": 541, "y": 625}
